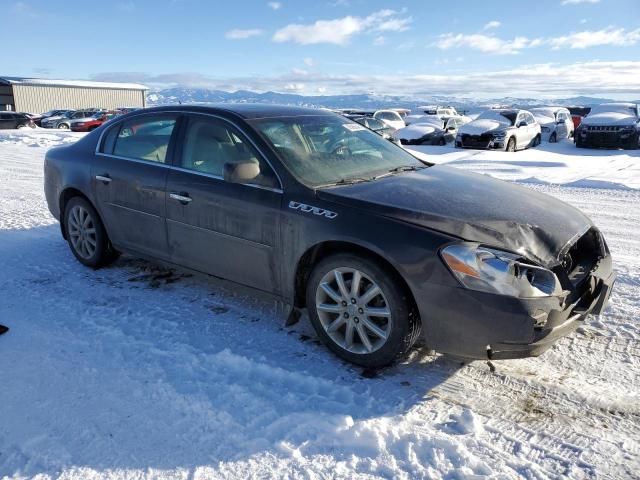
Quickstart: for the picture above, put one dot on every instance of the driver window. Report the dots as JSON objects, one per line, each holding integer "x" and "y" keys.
{"x": 209, "y": 144}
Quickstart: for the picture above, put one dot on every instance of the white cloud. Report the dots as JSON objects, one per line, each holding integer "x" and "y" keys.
{"x": 340, "y": 30}
{"x": 492, "y": 44}
{"x": 608, "y": 36}
{"x": 238, "y": 34}
{"x": 308, "y": 61}
{"x": 485, "y": 43}
{"x": 379, "y": 41}
{"x": 492, "y": 24}
{"x": 540, "y": 80}
{"x": 294, "y": 87}
{"x": 577, "y": 2}
{"x": 275, "y": 5}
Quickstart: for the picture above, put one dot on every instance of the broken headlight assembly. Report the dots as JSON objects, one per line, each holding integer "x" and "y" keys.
{"x": 496, "y": 271}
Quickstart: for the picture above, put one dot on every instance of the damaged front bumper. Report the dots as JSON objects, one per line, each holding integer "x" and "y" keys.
{"x": 481, "y": 325}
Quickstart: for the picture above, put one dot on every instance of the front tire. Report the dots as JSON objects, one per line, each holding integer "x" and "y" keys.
{"x": 360, "y": 312}
{"x": 511, "y": 145}
{"x": 86, "y": 234}
{"x": 553, "y": 138}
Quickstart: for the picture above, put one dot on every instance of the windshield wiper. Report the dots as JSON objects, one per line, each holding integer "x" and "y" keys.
{"x": 347, "y": 181}
{"x": 407, "y": 168}
{"x": 400, "y": 169}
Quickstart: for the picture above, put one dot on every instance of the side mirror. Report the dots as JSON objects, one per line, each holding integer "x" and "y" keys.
{"x": 241, "y": 172}
{"x": 522, "y": 124}
{"x": 451, "y": 129}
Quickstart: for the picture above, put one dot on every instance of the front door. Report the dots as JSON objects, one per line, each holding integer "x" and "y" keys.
{"x": 129, "y": 180}
{"x": 223, "y": 228}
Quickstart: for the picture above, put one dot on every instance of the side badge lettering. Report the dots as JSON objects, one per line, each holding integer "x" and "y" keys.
{"x": 315, "y": 210}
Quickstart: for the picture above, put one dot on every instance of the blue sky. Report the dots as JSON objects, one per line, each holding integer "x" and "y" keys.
{"x": 411, "y": 47}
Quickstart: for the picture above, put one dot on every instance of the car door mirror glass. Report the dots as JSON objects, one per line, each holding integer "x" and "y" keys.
{"x": 522, "y": 124}
{"x": 241, "y": 172}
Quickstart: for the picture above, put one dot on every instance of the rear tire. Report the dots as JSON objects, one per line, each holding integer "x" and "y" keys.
{"x": 86, "y": 234}
{"x": 371, "y": 322}
{"x": 63, "y": 126}
{"x": 511, "y": 145}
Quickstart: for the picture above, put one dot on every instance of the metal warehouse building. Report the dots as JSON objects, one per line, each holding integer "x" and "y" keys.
{"x": 35, "y": 95}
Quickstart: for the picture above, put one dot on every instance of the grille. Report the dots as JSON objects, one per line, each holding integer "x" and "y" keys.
{"x": 476, "y": 140}
{"x": 603, "y": 128}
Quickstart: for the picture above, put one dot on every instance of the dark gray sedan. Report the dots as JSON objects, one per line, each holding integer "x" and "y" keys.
{"x": 326, "y": 215}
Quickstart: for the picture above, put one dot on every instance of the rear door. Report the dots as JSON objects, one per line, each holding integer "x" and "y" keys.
{"x": 226, "y": 229}
{"x": 129, "y": 180}
{"x": 6, "y": 120}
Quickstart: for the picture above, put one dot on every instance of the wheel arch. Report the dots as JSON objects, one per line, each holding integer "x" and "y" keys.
{"x": 65, "y": 196}
{"x": 322, "y": 250}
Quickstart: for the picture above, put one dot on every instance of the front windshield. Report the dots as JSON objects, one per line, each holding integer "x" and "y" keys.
{"x": 324, "y": 150}
{"x": 499, "y": 115}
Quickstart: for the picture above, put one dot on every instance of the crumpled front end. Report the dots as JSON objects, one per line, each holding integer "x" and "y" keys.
{"x": 481, "y": 325}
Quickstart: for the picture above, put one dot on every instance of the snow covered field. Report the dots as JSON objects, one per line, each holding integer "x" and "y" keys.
{"x": 138, "y": 371}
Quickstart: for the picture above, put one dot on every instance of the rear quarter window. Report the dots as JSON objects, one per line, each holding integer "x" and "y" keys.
{"x": 141, "y": 138}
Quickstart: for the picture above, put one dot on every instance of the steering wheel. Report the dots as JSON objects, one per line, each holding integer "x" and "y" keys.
{"x": 341, "y": 149}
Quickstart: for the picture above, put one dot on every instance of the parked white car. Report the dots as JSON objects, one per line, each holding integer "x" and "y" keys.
{"x": 504, "y": 129}
{"x": 390, "y": 118}
{"x": 555, "y": 123}
{"x": 444, "y": 112}
{"x": 429, "y": 131}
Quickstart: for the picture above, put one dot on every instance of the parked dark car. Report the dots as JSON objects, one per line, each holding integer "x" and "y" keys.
{"x": 610, "y": 125}
{"x": 11, "y": 120}
{"x": 325, "y": 214}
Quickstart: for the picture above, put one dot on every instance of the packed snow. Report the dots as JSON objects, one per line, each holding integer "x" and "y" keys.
{"x": 138, "y": 371}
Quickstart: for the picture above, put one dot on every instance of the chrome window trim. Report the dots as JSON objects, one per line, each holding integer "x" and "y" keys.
{"x": 173, "y": 167}
{"x": 218, "y": 177}
{"x": 136, "y": 160}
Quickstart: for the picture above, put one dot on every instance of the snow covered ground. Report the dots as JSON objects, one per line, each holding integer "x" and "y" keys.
{"x": 137, "y": 371}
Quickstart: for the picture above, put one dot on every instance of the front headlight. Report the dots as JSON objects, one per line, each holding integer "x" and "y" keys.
{"x": 495, "y": 271}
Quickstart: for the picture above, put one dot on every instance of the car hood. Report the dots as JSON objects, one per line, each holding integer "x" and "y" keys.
{"x": 472, "y": 207}
{"x": 545, "y": 121}
{"x": 609, "y": 119}
{"x": 416, "y": 131}
{"x": 484, "y": 125}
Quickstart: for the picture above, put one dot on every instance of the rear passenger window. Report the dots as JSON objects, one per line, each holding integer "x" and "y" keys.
{"x": 142, "y": 138}
{"x": 209, "y": 144}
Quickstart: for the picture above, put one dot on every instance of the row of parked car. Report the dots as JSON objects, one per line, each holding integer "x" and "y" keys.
{"x": 84, "y": 120}
{"x": 510, "y": 129}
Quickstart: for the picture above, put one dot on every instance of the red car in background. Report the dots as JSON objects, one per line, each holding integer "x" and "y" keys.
{"x": 94, "y": 121}
{"x": 577, "y": 114}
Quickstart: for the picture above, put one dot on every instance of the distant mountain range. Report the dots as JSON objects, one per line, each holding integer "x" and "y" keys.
{"x": 363, "y": 101}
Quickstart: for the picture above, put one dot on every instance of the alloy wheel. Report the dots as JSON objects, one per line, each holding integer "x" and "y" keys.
{"x": 353, "y": 310}
{"x": 82, "y": 232}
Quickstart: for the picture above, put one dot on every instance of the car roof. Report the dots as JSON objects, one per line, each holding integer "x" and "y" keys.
{"x": 245, "y": 110}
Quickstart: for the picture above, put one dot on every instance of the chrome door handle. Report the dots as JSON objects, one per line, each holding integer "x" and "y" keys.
{"x": 184, "y": 199}
{"x": 103, "y": 178}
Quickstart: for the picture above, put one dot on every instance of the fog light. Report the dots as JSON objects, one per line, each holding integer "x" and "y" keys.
{"x": 540, "y": 318}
